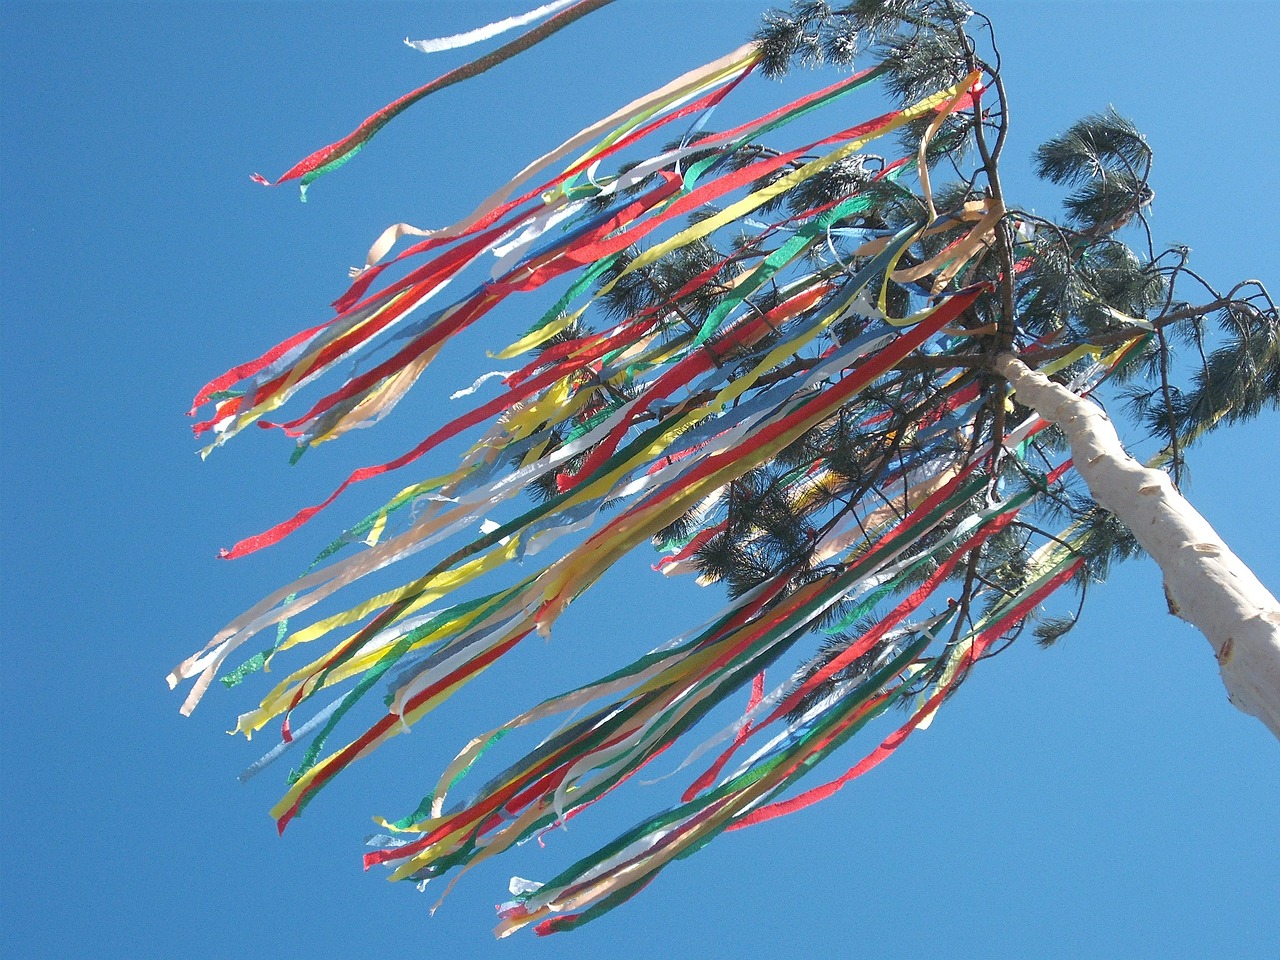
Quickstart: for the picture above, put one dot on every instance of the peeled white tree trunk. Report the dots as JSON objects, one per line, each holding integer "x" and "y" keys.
{"x": 1207, "y": 584}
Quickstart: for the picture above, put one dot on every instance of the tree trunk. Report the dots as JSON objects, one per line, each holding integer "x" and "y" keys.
{"x": 1207, "y": 585}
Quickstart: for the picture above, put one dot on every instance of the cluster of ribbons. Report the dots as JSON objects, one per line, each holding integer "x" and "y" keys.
{"x": 654, "y": 416}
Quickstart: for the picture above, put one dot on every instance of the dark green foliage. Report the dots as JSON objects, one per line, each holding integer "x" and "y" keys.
{"x": 1107, "y": 203}
{"x": 832, "y": 647}
{"x": 842, "y": 179}
{"x": 1107, "y": 161}
{"x": 1106, "y": 541}
{"x": 653, "y": 286}
{"x": 1091, "y": 148}
{"x": 918, "y": 39}
{"x": 1049, "y": 630}
{"x": 1113, "y": 280}
{"x": 676, "y": 532}
{"x": 1239, "y": 379}
{"x": 1050, "y": 291}
{"x": 1007, "y": 564}
{"x": 922, "y": 61}
{"x": 810, "y": 34}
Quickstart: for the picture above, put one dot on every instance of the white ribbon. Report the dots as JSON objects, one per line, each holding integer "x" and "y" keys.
{"x": 489, "y": 30}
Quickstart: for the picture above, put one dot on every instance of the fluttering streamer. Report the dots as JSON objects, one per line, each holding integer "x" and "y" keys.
{"x": 645, "y": 429}
{"x": 488, "y": 31}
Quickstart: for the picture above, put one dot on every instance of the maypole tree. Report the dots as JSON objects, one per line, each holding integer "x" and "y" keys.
{"x": 842, "y": 376}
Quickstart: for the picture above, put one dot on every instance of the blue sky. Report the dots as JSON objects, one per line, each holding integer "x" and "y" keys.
{"x": 1101, "y": 796}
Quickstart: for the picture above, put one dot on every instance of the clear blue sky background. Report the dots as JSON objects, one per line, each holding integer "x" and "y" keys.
{"x": 1100, "y": 798}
